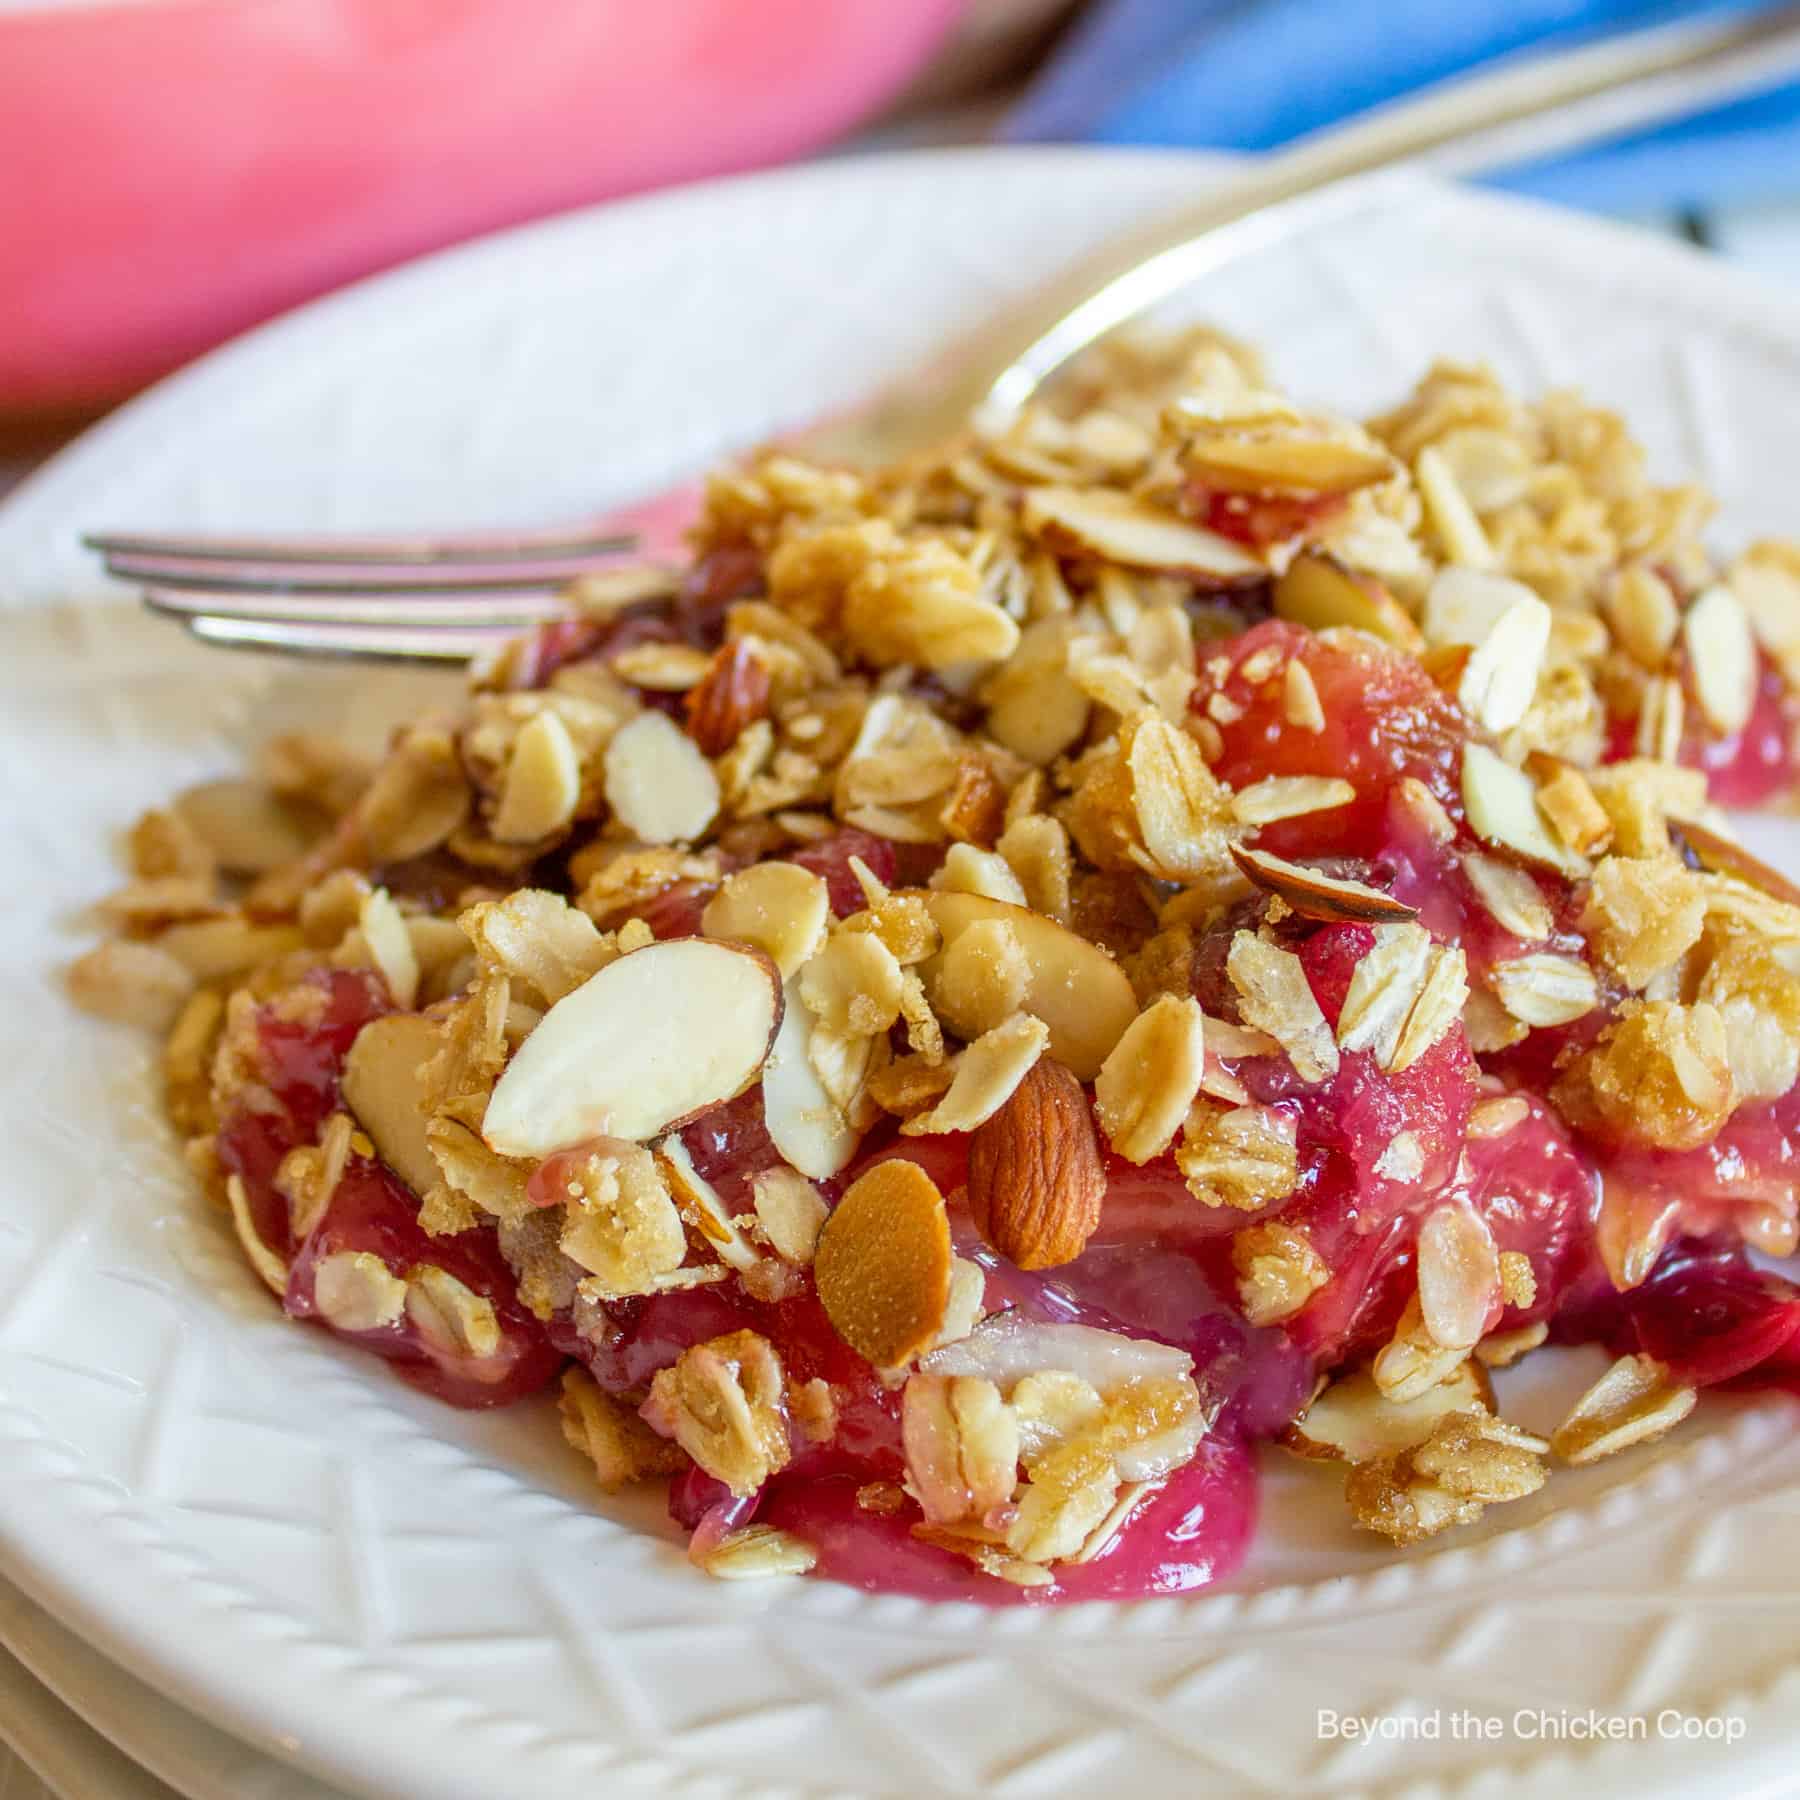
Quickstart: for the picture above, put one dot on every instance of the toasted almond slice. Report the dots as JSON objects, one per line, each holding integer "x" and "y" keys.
{"x": 790, "y": 1212}
{"x": 1501, "y": 677}
{"x": 803, "y": 1121}
{"x": 1722, "y": 658}
{"x": 1724, "y": 856}
{"x": 1320, "y": 592}
{"x": 1632, "y": 1403}
{"x": 390, "y": 945}
{"x": 249, "y": 829}
{"x": 663, "y": 668}
{"x": 135, "y": 984}
{"x": 1104, "y": 522}
{"x": 1463, "y": 605}
{"x": 1315, "y": 894}
{"x": 384, "y": 1087}
{"x": 1353, "y": 1421}
{"x": 1293, "y": 464}
{"x": 1289, "y": 797}
{"x": 701, "y": 1204}
{"x": 1079, "y": 992}
{"x": 653, "y": 1039}
{"x": 883, "y": 1264}
{"x": 1511, "y": 896}
{"x": 658, "y": 783}
{"x": 543, "y": 782}
{"x": 1501, "y": 803}
{"x": 1455, "y": 521}
{"x": 1459, "y": 1276}
{"x": 779, "y": 907}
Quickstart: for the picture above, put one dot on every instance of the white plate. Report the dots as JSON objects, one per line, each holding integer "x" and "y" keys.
{"x": 96, "y": 1733}
{"x": 406, "y": 1601}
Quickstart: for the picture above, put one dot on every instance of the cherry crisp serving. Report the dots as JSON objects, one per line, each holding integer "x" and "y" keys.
{"x": 1012, "y": 979}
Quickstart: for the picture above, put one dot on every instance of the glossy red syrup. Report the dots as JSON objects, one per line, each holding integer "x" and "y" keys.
{"x": 371, "y": 1210}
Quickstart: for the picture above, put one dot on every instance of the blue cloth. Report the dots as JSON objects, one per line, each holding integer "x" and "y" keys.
{"x": 1253, "y": 74}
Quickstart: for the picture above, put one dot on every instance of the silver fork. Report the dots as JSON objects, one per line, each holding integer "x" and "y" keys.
{"x": 446, "y": 599}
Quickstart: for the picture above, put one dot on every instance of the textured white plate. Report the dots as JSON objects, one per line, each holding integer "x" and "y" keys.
{"x": 410, "y": 1602}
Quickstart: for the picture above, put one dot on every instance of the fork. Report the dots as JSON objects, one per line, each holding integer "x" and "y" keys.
{"x": 448, "y": 599}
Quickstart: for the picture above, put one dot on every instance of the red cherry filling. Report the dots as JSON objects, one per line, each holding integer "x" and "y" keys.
{"x": 1384, "y": 719}
{"x": 302, "y": 1039}
{"x": 1259, "y": 520}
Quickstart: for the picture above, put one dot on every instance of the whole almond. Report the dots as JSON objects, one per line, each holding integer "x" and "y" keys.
{"x": 733, "y": 693}
{"x": 1036, "y": 1177}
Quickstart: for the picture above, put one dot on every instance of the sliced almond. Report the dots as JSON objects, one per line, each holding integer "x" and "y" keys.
{"x": 390, "y": 945}
{"x": 968, "y": 870}
{"x": 1289, "y": 797}
{"x": 658, "y": 783}
{"x": 1147, "y": 1084}
{"x": 1632, "y": 1403}
{"x": 384, "y": 1087}
{"x": 1036, "y": 1177}
{"x": 1511, "y": 896}
{"x": 853, "y": 985}
{"x": 1079, "y": 992}
{"x": 1453, "y": 519}
{"x": 779, "y": 907}
{"x": 701, "y": 1205}
{"x": 135, "y": 984}
{"x": 1501, "y": 803}
{"x": 1724, "y": 856}
{"x": 1722, "y": 659}
{"x": 789, "y": 1211}
{"x": 249, "y": 829}
{"x": 1292, "y": 463}
{"x": 803, "y": 1121}
{"x": 1500, "y": 678}
{"x": 883, "y": 1264}
{"x": 654, "y": 1038}
{"x": 542, "y": 786}
{"x": 1316, "y": 895}
{"x": 1459, "y": 1276}
{"x": 1122, "y": 529}
{"x": 1353, "y": 1421}
{"x": 1320, "y": 592}
{"x": 1463, "y": 605}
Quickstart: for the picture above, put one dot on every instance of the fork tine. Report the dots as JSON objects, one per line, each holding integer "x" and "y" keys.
{"x": 373, "y": 643}
{"x": 511, "y": 610}
{"x": 325, "y": 578}
{"x": 497, "y": 548}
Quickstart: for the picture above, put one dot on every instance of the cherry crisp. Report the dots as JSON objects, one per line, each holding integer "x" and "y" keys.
{"x": 1013, "y": 980}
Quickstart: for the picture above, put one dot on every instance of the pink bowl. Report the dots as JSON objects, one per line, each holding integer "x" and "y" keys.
{"x": 173, "y": 170}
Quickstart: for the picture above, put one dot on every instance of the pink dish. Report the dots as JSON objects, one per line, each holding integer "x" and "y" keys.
{"x": 179, "y": 169}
